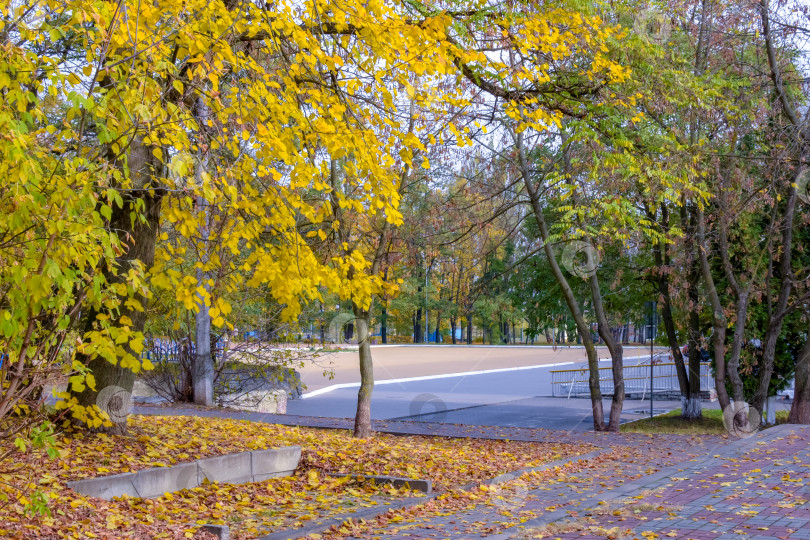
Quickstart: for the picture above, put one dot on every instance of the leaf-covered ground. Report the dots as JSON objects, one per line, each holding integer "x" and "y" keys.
{"x": 487, "y": 510}
{"x": 250, "y": 508}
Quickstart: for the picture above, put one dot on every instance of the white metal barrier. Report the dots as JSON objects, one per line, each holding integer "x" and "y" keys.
{"x": 574, "y": 382}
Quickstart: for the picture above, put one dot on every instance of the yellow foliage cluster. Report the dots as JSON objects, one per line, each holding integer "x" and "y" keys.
{"x": 231, "y": 113}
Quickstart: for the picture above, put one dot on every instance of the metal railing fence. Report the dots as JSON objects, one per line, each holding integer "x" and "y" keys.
{"x": 574, "y": 382}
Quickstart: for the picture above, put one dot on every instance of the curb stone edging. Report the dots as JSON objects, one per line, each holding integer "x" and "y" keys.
{"x": 425, "y": 486}
{"x": 223, "y": 532}
{"x": 367, "y": 513}
{"x": 371, "y": 513}
{"x": 240, "y": 468}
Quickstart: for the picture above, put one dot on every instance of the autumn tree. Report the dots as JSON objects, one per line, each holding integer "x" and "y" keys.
{"x": 249, "y": 67}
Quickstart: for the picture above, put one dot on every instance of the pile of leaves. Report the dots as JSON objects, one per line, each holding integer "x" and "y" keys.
{"x": 249, "y": 509}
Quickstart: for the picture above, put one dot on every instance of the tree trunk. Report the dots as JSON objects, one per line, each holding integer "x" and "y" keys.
{"x": 203, "y": 365}
{"x": 718, "y": 315}
{"x": 362, "y": 420}
{"x": 417, "y": 326}
{"x": 113, "y": 383}
{"x": 733, "y": 365}
{"x": 690, "y": 407}
{"x": 615, "y": 349}
{"x": 777, "y": 317}
{"x": 802, "y": 139}
{"x": 568, "y": 293}
{"x": 453, "y": 329}
{"x": 800, "y": 410}
{"x": 469, "y": 329}
{"x": 384, "y": 324}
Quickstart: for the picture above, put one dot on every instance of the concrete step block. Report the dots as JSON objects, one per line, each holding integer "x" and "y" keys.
{"x": 255, "y": 466}
{"x": 231, "y": 469}
{"x": 155, "y": 482}
{"x": 275, "y": 462}
{"x": 106, "y": 487}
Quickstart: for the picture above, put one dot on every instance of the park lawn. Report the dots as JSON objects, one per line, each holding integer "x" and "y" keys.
{"x": 249, "y": 509}
{"x": 671, "y": 422}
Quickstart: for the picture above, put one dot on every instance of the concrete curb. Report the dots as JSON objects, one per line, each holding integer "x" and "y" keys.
{"x": 425, "y": 486}
{"x": 371, "y": 513}
{"x": 626, "y": 490}
{"x": 253, "y": 466}
{"x": 366, "y": 514}
{"x": 223, "y": 532}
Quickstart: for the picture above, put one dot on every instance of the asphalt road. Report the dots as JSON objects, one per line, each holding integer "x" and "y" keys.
{"x": 499, "y": 388}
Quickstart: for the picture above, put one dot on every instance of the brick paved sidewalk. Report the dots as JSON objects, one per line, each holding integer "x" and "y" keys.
{"x": 547, "y": 496}
{"x": 755, "y": 488}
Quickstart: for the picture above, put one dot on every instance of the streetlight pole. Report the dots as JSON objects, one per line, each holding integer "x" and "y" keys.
{"x": 427, "y": 315}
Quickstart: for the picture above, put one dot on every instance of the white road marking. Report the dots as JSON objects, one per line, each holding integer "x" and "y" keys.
{"x": 428, "y": 377}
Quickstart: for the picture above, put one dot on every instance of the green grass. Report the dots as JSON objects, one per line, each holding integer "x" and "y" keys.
{"x": 671, "y": 422}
